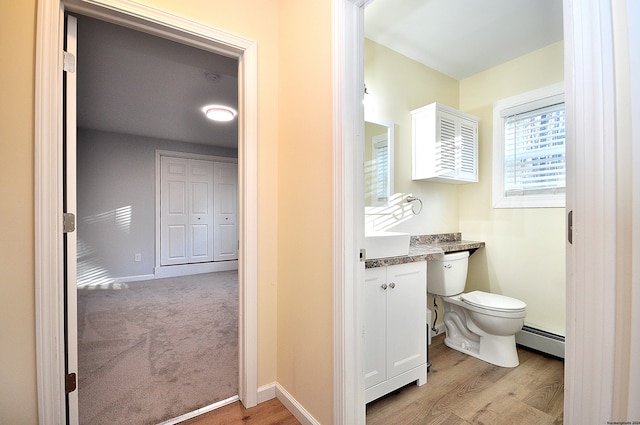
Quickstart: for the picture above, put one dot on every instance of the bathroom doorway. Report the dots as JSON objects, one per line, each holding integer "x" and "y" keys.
{"x": 457, "y": 207}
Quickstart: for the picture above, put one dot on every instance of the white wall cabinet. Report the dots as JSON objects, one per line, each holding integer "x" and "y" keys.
{"x": 445, "y": 145}
{"x": 395, "y": 327}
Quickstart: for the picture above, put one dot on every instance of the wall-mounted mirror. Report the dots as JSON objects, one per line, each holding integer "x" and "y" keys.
{"x": 378, "y": 162}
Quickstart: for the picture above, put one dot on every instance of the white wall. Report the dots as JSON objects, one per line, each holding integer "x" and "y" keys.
{"x": 116, "y": 201}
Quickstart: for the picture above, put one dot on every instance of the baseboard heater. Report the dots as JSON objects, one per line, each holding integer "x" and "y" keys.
{"x": 542, "y": 341}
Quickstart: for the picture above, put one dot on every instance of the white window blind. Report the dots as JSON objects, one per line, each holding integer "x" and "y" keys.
{"x": 382, "y": 170}
{"x": 534, "y": 160}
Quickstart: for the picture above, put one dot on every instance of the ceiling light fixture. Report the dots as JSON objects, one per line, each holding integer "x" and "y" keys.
{"x": 219, "y": 112}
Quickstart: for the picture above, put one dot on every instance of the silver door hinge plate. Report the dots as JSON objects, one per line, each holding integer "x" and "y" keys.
{"x": 68, "y": 222}
{"x": 69, "y": 63}
{"x": 363, "y": 254}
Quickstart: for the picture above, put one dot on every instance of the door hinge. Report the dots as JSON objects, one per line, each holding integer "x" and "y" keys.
{"x": 570, "y": 227}
{"x": 68, "y": 222}
{"x": 69, "y": 62}
{"x": 70, "y": 383}
{"x": 363, "y": 254}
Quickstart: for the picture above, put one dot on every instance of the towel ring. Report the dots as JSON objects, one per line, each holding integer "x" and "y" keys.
{"x": 411, "y": 199}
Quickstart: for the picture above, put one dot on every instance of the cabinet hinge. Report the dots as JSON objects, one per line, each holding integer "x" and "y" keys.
{"x": 68, "y": 222}
{"x": 69, "y": 62}
{"x": 70, "y": 383}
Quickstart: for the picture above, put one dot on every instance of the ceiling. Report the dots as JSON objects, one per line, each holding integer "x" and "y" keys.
{"x": 134, "y": 83}
{"x": 461, "y": 38}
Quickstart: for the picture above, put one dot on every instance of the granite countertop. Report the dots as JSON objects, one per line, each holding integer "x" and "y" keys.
{"x": 428, "y": 247}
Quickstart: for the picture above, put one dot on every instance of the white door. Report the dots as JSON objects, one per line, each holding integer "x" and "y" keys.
{"x": 225, "y": 246}
{"x": 200, "y": 195}
{"x": 406, "y": 317}
{"x": 70, "y": 207}
{"x": 186, "y": 211}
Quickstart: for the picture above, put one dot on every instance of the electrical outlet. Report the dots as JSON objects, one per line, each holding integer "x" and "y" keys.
{"x": 138, "y": 257}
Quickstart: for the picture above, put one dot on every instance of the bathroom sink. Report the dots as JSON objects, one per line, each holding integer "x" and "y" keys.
{"x": 386, "y": 244}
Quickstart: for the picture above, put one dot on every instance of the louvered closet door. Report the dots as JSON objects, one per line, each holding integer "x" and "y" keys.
{"x": 468, "y": 163}
{"x": 446, "y": 146}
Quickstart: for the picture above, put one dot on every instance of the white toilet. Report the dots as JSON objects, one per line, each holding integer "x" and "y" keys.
{"x": 477, "y": 323}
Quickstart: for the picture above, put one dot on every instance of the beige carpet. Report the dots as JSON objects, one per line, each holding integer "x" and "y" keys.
{"x": 154, "y": 350}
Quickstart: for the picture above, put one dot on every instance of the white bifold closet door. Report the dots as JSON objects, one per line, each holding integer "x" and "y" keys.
{"x": 225, "y": 245}
{"x": 186, "y": 217}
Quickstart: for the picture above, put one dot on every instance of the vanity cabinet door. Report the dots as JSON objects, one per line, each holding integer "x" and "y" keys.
{"x": 394, "y": 321}
{"x": 375, "y": 325}
{"x": 406, "y": 317}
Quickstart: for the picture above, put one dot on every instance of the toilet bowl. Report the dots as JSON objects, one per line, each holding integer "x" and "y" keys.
{"x": 477, "y": 323}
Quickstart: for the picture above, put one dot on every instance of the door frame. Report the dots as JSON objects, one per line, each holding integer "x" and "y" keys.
{"x": 48, "y": 150}
{"x": 596, "y": 374}
{"x": 348, "y": 211}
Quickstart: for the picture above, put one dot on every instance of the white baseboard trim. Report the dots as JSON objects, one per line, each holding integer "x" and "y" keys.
{"x": 138, "y": 278}
{"x": 266, "y": 392}
{"x": 200, "y": 411}
{"x": 189, "y": 269}
{"x": 294, "y": 407}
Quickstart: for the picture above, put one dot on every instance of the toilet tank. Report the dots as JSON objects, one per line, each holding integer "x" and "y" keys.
{"x": 447, "y": 275}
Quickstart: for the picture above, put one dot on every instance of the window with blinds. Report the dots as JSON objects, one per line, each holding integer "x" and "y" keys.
{"x": 534, "y": 158}
{"x": 529, "y": 149}
{"x": 381, "y": 156}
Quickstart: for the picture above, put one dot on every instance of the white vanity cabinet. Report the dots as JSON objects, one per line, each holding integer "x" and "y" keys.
{"x": 395, "y": 327}
{"x": 445, "y": 145}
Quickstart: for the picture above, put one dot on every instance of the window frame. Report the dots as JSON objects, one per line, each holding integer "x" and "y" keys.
{"x": 535, "y": 99}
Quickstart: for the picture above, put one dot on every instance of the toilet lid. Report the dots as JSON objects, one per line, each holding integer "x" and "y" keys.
{"x": 493, "y": 301}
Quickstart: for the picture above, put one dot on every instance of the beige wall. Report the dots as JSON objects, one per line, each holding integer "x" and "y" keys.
{"x": 397, "y": 85}
{"x": 305, "y": 206}
{"x": 524, "y": 256}
{"x": 294, "y": 206}
{"x": 17, "y": 294}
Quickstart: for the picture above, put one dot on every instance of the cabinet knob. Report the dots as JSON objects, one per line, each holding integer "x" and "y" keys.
{"x": 392, "y": 285}
{"x": 384, "y": 286}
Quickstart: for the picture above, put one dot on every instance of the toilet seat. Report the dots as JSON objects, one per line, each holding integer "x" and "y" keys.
{"x": 494, "y": 302}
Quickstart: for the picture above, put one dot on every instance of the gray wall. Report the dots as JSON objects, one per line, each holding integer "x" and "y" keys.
{"x": 116, "y": 202}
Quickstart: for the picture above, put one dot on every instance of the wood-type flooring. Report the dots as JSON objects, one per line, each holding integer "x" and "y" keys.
{"x": 460, "y": 389}
{"x": 270, "y": 412}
